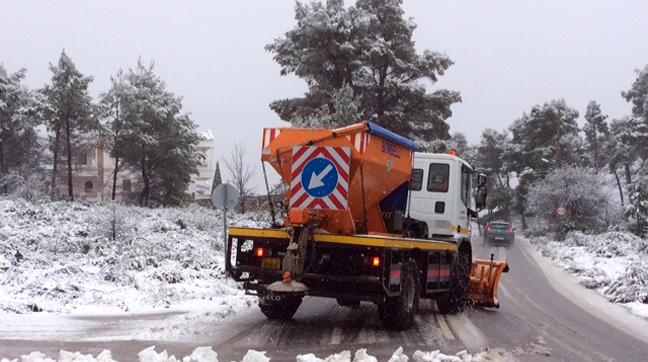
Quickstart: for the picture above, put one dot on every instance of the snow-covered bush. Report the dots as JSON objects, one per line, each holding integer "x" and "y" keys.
{"x": 615, "y": 262}
{"x": 60, "y": 255}
{"x": 581, "y": 192}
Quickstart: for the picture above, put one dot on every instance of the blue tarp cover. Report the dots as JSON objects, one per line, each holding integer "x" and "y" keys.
{"x": 393, "y": 137}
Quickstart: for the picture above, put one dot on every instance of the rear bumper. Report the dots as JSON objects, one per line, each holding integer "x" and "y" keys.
{"x": 365, "y": 288}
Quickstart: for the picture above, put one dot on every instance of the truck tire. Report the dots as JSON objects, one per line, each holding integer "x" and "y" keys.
{"x": 279, "y": 307}
{"x": 398, "y": 312}
{"x": 456, "y": 299}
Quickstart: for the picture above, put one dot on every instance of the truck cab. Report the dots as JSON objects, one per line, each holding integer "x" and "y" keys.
{"x": 441, "y": 194}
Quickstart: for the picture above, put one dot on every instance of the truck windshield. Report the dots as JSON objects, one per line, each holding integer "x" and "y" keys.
{"x": 438, "y": 177}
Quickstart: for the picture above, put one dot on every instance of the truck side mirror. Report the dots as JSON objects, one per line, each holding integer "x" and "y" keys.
{"x": 482, "y": 192}
{"x": 481, "y": 180}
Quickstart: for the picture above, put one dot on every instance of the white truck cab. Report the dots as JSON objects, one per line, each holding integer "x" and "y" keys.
{"x": 441, "y": 194}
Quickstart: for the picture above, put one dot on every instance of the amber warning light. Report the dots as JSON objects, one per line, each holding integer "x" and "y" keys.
{"x": 259, "y": 252}
{"x": 375, "y": 262}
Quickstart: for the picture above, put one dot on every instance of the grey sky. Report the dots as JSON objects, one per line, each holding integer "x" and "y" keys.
{"x": 509, "y": 55}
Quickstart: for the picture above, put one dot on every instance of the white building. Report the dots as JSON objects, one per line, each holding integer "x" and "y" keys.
{"x": 94, "y": 170}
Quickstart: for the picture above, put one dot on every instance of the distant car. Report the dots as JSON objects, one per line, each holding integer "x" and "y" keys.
{"x": 499, "y": 233}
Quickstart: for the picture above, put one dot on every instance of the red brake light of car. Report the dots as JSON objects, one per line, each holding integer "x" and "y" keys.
{"x": 489, "y": 228}
{"x": 259, "y": 252}
{"x": 510, "y": 229}
{"x": 375, "y": 262}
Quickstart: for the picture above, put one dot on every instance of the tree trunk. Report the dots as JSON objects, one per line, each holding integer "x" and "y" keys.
{"x": 616, "y": 175}
{"x": 145, "y": 178}
{"x": 2, "y": 168}
{"x": 55, "y": 166}
{"x": 114, "y": 185}
{"x": 628, "y": 175}
{"x": 69, "y": 160}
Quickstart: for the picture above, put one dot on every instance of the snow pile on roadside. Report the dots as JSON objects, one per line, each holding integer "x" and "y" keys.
{"x": 614, "y": 263}
{"x": 206, "y": 354}
{"x": 60, "y": 257}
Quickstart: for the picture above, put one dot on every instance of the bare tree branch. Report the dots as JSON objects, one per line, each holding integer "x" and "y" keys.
{"x": 240, "y": 172}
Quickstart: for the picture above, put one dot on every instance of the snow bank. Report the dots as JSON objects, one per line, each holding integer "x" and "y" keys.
{"x": 206, "y": 354}
{"x": 614, "y": 263}
{"x": 61, "y": 257}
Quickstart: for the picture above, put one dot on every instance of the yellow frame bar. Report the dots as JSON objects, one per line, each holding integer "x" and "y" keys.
{"x": 375, "y": 241}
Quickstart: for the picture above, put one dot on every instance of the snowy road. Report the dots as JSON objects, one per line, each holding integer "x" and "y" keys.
{"x": 536, "y": 322}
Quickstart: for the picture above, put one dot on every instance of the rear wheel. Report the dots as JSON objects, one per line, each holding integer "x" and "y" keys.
{"x": 281, "y": 307}
{"x": 398, "y": 312}
{"x": 456, "y": 299}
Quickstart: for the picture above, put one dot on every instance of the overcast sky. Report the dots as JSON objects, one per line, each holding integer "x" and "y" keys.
{"x": 509, "y": 55}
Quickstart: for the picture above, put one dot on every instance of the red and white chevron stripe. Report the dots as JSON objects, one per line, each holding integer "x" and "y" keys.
{"x": 339, "y": 198}
{"x": 269, "y": 134}
{"x": 359, "y": 140}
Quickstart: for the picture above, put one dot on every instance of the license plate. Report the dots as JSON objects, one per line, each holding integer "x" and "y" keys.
{"x": 502, "y": 239}
{"x": 271, "y": 263}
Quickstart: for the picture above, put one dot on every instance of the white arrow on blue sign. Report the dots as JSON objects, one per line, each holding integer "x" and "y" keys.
{"x": 320, "y": 177}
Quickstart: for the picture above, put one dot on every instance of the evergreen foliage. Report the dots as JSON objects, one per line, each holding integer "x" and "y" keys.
{"x": 359, "y": 63}
{"x": 218, "y": 179}
{"x": 154, "y": 137}
{"x": 19, "y": 147}
{"x": 69, "y": 112}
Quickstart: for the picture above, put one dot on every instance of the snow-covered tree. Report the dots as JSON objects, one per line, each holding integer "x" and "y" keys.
{"x": 491, "y": 159}
{"x": 545, "y": 136}
{"x": 116, "y": 104}
{"x": 218, "y": 178}
{"x": 580, "y": 191}
{"x": 597, "y": 133}
{"x": 18, "y": 118}
{"x": 156, "y": 138}
{"x": 638, "y": 95}
{"x": 367, "y": 47}
{"x": 637, "y": 208}
{"x": 68, "y": 111}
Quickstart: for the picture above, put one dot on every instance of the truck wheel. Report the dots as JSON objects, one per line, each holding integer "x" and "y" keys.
{"x": 398, "y": 312}
{"x": 456, "y": 299}
{"x": 279, "y": 307}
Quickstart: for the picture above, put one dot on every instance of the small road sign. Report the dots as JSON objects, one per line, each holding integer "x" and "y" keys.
{"x": 561, "y": 211}
{"x": 225, "y": 196}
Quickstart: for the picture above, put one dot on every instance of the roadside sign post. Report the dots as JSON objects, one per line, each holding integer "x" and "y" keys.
{"x": 225, "y": 196}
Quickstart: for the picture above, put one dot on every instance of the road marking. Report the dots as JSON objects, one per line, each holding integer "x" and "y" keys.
{"x": 467, "y": 332}
{"x": 336, "y": 336}
{"x": 443, "y": 326}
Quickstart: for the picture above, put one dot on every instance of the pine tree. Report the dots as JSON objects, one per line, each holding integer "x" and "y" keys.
{"x": 18, "y": 118}
{"x": 157, "y": 139}
{"x": 69, "y": 111}
{"x": 368, "y": 48}
{"x": 546, "y": 136}
{"x": 115, "y": 105}
{"x": 596, "y": 133}
{"x": 218, "y": 179}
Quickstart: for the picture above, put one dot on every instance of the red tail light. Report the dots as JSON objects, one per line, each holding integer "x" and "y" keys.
{"x": 260, "y": 252}
{"x": 489, "y": 228}
{"x": 375, "y": 262}
{"x": 510, "y": 229}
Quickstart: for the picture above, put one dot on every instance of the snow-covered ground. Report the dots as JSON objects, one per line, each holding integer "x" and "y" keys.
{"x": 206, "y": 354}
{"x": 613, "y": 263}
{"x": 60, "y": 258}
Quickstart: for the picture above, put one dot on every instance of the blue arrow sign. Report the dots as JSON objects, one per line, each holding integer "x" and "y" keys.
{"x": 319, "y": 177}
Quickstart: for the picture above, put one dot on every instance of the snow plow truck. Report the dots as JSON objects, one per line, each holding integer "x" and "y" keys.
{"x": 367, "y": 218}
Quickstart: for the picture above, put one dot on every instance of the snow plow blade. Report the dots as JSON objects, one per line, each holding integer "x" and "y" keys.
{"x": 484, "y": 281}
